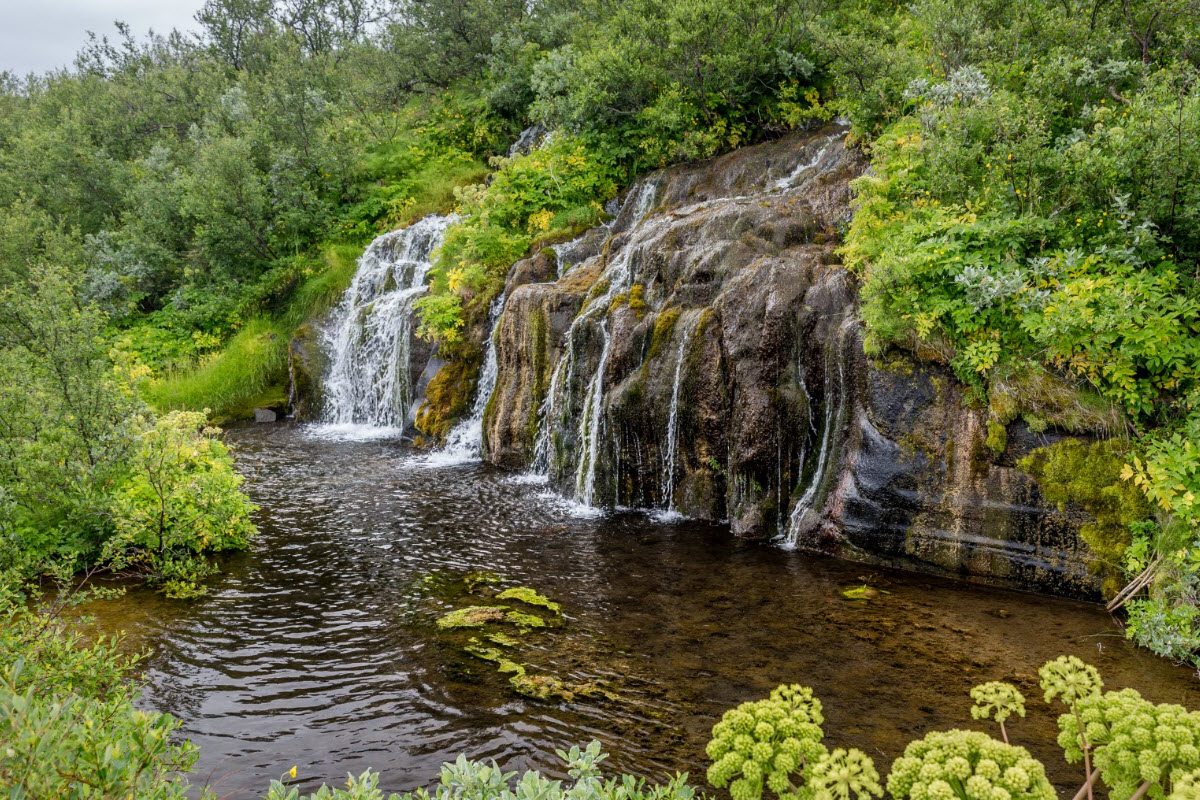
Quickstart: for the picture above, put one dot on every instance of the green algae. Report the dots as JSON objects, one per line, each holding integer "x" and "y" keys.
{"x": 503, "y": 639}
{"x": 863, "y": 592}
{"x": 481, "y": 577}
{"x": 524, "y": 621}
{"x": 474, "y": 617}
{"x": 530, "y": 597}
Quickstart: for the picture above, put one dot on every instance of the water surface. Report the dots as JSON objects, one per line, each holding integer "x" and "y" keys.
{"x": 317, "y": 648}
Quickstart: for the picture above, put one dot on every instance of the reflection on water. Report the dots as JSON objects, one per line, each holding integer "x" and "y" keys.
{"x": 316, "y": 648}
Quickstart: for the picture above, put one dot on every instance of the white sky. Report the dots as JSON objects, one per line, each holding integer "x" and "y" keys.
{"x": 38, "y": 35}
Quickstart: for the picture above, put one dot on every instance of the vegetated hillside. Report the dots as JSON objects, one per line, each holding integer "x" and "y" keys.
{"x": 1031, "y": 209}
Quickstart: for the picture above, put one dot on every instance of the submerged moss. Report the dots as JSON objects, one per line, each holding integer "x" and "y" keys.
{"x": 523, "y": 620}
{"x": 863, "y": 592}
{"x": 530, "y": 597}
{"x": 480, "y": 577}
{"x": 503, "y": 639}
{"x": 474, "y": 617}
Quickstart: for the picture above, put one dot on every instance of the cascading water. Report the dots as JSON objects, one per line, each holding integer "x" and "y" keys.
{"x": 835, "y": 394}
{"x": 369, "y": 339}
{"x": 638, "y": 204}
{"x": 795, "y": 178}
{"x": 668, "y": 487}
{"x": 618, "y": 274}
{"x": 464, "y": 443}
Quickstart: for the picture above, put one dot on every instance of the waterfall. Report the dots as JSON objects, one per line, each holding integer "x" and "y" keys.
{"x": 369, "y": 338}
{"x": 668, "y": 485}
{"x": 636, "y": 206}
{"x": 464, "y": 443}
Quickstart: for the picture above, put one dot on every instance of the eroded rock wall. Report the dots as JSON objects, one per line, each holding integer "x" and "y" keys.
{"x": 702, "y": 354}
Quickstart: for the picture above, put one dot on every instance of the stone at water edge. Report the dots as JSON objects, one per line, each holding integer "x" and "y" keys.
{"x": 265, "y": 415}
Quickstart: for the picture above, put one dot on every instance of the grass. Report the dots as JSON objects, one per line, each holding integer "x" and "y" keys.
{"x": 251, "y": 370}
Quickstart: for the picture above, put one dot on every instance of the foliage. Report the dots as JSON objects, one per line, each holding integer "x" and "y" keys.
{"x": 552, "y": 193}
{"x": 180, "y": 499}
{"x": 1030, "y": 206}
{"x": 480, "y": 781}
{"x": 85, "y": 474}
{"x": 67, "y": 717}
{"x": 671, "y": 80}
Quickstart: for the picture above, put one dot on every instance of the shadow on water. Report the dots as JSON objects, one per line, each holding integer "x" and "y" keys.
{"x": 317, "y": 648}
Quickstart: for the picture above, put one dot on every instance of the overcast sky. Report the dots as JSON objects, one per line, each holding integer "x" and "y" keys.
{"x": 37, "y": 35}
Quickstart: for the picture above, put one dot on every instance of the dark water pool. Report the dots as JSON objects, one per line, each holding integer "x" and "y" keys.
{"x": 318, "y": 649}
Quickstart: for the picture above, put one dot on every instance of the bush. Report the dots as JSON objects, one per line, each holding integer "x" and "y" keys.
{"x": 68, "y": 718}
{"x": 179, "y": 500}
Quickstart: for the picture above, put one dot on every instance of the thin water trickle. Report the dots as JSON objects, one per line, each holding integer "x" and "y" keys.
{"x": 464, "y": 443}
{"x": 636, "y": 206}
{"x": 832, "y": 393}
{"x": 668, "y": 487}
{"x": 369, "y": 337}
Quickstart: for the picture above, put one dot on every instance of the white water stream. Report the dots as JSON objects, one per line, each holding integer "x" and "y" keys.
{"x": 369, "y": 388}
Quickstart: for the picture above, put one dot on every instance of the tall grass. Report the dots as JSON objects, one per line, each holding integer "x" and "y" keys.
{"x": 251, "y": 369}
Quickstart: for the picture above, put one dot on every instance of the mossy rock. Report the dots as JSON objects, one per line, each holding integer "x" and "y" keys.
{"x": 524, "y": 621}
{"x": 530, "y": 597}
{"x": 481, "y": 577}
{"x": 447, "y": 398}
{"x": 1088, "y": 475}
{"x": 502, "y": 639}
{"x": 472, "y": 617}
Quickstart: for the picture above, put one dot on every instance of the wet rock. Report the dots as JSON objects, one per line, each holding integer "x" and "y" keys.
{"x": 306, "y": 365}
{"x": 702, "y": 353}
{"x": 264, "y": 415}
{"x": 540, "y": 268}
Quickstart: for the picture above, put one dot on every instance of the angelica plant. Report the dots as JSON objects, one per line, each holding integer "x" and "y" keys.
{"x": 1139, "y": 748}
{"x": 1186, "y": 787}
{"x": 998, "y": 700}
{"x": 843, "y": 774}
{"x": 1072, "y": 681}
{"x": 777, "y": 742}
{"x": 967, "y": 765}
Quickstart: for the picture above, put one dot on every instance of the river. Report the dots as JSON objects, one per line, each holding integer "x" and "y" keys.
{"x": 318, "y": 648}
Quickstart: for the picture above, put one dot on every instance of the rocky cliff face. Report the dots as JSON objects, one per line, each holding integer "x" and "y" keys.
{"x": 702, "y": 354}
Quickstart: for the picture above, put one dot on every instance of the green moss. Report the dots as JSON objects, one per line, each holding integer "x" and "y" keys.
{"x": 618, "y": 301}
{"x": 503, "y": 639}
{"x": 480, "y": 577}
{"x": 524, "y": 621}
{"x": 664, "y": 327}
{"x": 530, "y": 597}
{"x": 637, "y": 299}
{"x": 472, "y": 617}
{"x": 863, "y": 592}
{"x": 447, "y": 397}
{"x": 997, "y": 437}
{"x": 1089, "y": 476}
{"x": 541, "y": 687}
{"x": 1042, "y": 399}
